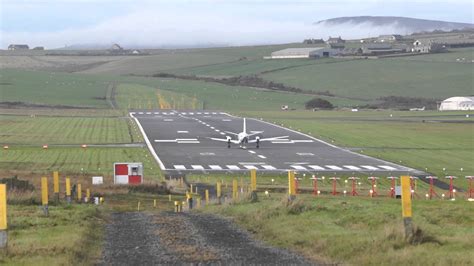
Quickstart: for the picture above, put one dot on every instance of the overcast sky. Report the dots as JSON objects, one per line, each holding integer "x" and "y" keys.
{"x": 186, "y": 23}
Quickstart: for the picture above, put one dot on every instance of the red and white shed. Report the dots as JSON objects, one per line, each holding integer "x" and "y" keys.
{"x": 128, "y": 173}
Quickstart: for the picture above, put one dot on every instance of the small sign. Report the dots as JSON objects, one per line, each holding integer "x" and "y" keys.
{"x": 97, "y": 180}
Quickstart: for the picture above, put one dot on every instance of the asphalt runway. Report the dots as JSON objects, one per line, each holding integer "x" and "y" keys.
{"x": 179, "y": 141}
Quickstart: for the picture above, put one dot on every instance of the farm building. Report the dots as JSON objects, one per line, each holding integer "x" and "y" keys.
{"x": 382, "y": 48}
{"x": 427, "y": 46}
{"x": 41, "y": 48}
{"x": 313, "y": 41}
{"x": 457, "y": 104}
{"x": 315, "y": 52}
{"x": 337, "y": 40}
{"x": 14, "y": 47}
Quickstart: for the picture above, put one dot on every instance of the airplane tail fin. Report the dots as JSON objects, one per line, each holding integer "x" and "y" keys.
{"x": 245, "y": 126}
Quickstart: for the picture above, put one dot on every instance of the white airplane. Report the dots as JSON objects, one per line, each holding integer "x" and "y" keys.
{"x": 244, "y": 137}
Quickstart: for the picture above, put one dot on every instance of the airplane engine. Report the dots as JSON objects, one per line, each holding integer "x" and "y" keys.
{"x": 228, "y": 141}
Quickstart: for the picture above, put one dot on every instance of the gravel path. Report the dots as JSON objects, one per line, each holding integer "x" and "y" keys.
{"x": 134, "y": 238}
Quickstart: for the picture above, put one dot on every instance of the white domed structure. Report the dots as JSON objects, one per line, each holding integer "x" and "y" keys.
{"x": 457, "y": 104}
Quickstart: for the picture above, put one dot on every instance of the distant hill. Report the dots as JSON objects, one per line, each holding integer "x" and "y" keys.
{"x": 406, "y": 25}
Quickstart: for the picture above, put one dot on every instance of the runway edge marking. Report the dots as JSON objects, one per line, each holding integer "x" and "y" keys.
{"x": 331, "y": 145}
{"x": 148, "y": 143}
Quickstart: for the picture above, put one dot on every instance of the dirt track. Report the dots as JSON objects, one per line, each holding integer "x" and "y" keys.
{"x": 134, "y": 238}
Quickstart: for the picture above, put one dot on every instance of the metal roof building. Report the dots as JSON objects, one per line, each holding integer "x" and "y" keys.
{"x": 457, "y": 104}
{"x": 314, "y": 52}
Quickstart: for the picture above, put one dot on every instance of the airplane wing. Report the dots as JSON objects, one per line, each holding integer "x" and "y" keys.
{"x": 268, "y": 139}
{"x": 226, "y": 140}
{"x": 232, "y": 133}
{"x": 255, "y": 133}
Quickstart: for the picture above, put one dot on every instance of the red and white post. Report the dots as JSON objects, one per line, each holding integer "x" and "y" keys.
{"x": 432, "y": 192}
{"x": 354, "y": 185}
{"x": 393, "y": 183}
{"x": 315, "y": 185}
{"x": 373, "y": 191}
{"x": 334, "y": 185}
{"x": 451, "y": 186}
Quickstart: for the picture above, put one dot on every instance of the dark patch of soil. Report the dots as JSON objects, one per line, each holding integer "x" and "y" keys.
{"x": 186, "y": 238}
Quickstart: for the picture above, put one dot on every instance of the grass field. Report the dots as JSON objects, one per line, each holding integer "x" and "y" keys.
{"x": 34, "y": 161}
{"x": 70, "y": 235}
{"x": 359, "y": 231}
{"x": 53, "y": 88}
{"x": 370, "y": 79}
{"x": 71, "y": 130}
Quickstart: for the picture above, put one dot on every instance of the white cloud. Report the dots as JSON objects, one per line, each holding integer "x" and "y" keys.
{"x": 187, "y": 23}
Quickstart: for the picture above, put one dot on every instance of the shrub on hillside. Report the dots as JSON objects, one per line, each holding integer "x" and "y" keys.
{"x": 318, "y": 103}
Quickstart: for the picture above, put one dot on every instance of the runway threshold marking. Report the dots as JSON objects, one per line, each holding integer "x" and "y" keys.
{"x": 316, "y": 167}
{"x": 179, "y": 167}
{"x": 298, "y": 167}
{"x": 334, "y": 167}
{"x": 369, "y": 167}
{"x": 233, "y": 167}
{"x": 351, "y": 167}
{"x": 215, "y": 167}
{"x": 268, "y": 167}
{"x": 197, "y": 167}
{"x": 250, "y": 167}
{"x": 387, "y": 167}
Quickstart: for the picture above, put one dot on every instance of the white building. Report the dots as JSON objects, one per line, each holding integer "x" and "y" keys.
{"x": 315, "y": 52}
{"x": 457, "y": 104}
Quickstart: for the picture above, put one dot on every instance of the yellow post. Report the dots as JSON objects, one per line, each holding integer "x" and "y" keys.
{"x": 3, "y": 216}
{"x": 3, "y": 207}
{"x": 68, "y": 190}
{"x": 406, "y": 206}
{"x": 44, "y": 191}
{"x": 56, "y": 183}
{"x": 253, "y": 179}
{"x": 79, "y": 192}
{"x": 44, "y": 195}
{"x": 169, "y": 197}
{"x": 291, "y": 184}
{"x": 138, "y": 207}
{"x": 218, "y": 190}
{"x": 88, "y": 195}
{"x": 235, "y": 187}
{"x": 154, "y": 203}
{"x": 191, "y": 188}
{"x": 199, "y": 202}
{"x": 207, "y": 196}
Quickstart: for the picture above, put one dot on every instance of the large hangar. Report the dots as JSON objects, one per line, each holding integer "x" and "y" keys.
{"x": 457, "y": 104}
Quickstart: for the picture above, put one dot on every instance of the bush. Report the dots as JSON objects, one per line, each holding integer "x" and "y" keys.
{"x": 318, "y": 103}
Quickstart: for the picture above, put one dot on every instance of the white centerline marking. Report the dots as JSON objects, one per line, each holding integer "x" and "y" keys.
{"x": 222, "y": 133}
{"x": 261, "y": 156}
{"x": 252, "y": 152}
{"x": 168, "y": 120}
{"x": 182, "y": 131}
{"x": 305, "y": 154}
